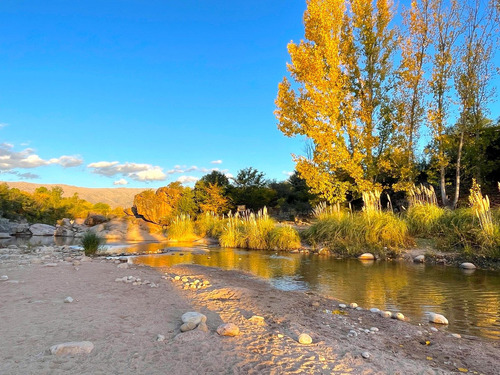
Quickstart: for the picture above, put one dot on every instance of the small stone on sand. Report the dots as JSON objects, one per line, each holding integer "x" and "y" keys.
{"x": 305, "y": 339}
{"x": 228, "y": 329}
{"x": 71, "y": 348}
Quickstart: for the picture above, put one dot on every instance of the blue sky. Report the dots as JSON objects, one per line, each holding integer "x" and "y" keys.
{"x": 142, "y": 93}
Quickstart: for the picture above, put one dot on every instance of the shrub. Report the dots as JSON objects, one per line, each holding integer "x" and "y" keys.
{"x": 91, "y": 243}
{"x": 209, "y": 224}
{"x": 181, "y": 229}
{"x": 284, "y": 238}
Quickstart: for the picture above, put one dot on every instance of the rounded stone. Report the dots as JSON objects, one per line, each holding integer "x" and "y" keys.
{"x": 193, "y": 317}
{"x": 353, "y": 305}
{"x": 365, "y": 355}
{"x": 437, "y": 318}
{"x": 419, "y": 259}
{"x": 385, "y": 314}
{"x": 366, "y": 256}
{"x": 68, "y": 300}
{"x": 72, "y": 348}
{"x": 189, "y": 326}
{"x": 467, "y": 266}
{"x": 400, "y": 316}
{"x": 228, "y": 329}
{"x": 342, "y": 305}
{"x": 375, "y": 310}
{"x": 305, "y": 339}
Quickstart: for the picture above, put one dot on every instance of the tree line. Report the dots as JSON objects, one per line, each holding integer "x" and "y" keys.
{"x": 364, "y": 86}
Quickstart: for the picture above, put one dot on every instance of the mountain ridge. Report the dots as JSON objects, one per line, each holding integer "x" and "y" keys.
{"x": 115, "y": 197}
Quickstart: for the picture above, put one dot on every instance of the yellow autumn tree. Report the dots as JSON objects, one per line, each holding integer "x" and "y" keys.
{"x": 214, "y": 199}
{"x": 337, "y": 101}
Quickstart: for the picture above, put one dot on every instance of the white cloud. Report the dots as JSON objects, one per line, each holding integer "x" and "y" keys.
{"x": 121, "y": 181}
{"x": 287, "y": 173}
{"x": 229, "y": 175}
{"x": 135, "y": 171}
{"x": 26, "y": 159}
{"x": 187, "y": 179}
{"x": 216, "y": 162}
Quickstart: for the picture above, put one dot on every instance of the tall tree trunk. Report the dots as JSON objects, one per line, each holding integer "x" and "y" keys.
{"x": 442, "y": 186}
{"x": 457, "y": 175}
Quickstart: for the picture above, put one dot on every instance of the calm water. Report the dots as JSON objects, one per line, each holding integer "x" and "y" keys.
{"x": 470, "y": 301}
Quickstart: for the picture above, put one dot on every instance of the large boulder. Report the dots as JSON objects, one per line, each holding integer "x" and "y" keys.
{"x": 69, "y": 228}
{"x": 157, "y": 206}
{"x": 42, "y": 230}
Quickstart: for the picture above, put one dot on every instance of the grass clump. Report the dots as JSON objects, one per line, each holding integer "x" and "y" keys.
{"x": 181, "y": 229}
{"x": 92, "y": 243}
{"x": 354, "y": 233}
{"x": 284, "y": 238}
{"x": 424, "y": 219}
{"x": 209, "y": 225}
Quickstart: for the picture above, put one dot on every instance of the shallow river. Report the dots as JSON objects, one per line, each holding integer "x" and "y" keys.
{"x": 470, "y": 300}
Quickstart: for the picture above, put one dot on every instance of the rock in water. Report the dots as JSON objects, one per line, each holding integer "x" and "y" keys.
{"x": 193, "y": 317}
{"x": 419, "y": 259}
{"x": 228, "y": 329}
{"x": 367, "y": 256}
{"x": 468, "y": 266}
{"x": 437, "y": 318}
{"x": 305, "y": 339}
{"x": 42, "y": 230}
{"x": 71, "y": 348}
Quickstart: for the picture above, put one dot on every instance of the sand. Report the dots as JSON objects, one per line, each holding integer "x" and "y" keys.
{"x": 123, "y": 320}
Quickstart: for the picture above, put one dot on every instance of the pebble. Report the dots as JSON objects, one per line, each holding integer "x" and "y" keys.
{"x": 68, "y": 300}
{"x": 456, "y": 335}
{"x": 375, "y": 310}
{"x": 122, "y": 265}
{"x": 365, "y": 355}
{"x": 256, "y": 319}
{"x": 50, "y": 264}
{"x": 177, "y": 278}
{"x": 434, "y": 329}
{"x": 352, "y": 333}
{"x": 353, "y": 305}
{"x": 4, "y": 277}
{"x": 400, "y": 316}
{"x": 374, "y": 329}
{"x": 160, "y": 338}
{"x": 71, "y": 348}
{"x": 342, "y": 305}
{"x": 305, "y": 339}
{"x": 437, "y": 318}
{"x": 228, "y": 329}
{"x": 359, "y": 308}
{"x": 385, "y": 314}
{"x": 203, "y": 327}
{"x": 315, "y": 304}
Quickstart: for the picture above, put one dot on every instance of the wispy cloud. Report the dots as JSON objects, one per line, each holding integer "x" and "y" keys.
{"x": 216, "y": 162}
{"x": 287, "y": 173}
{"x": 27, "y": 159}
{"x": 187, "y": 179}
{"x": 121, "y": 181}
{"x": 135, "y": 171}
{"x": 3, "y": 124}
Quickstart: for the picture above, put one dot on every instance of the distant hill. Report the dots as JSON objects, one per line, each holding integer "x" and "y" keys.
{"x": 115, "y": 197}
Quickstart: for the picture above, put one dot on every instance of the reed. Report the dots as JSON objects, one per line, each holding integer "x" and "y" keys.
{"x": 423, "y": 195}
{"x": 481, "y": 207}
{"x": 181, "y": 229}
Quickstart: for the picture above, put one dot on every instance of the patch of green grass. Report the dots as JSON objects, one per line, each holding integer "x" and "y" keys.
{"x": 423, "y": 219}
{"x": 181, "y": 229}
{"x": 92, "y": 243}
{"x": 284, "y": 238}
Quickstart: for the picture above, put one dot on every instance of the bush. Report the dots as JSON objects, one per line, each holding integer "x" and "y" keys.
{"x": 209, "y": 225}
{"x": 423, "y": 219}
{"x": 91, "y": 243}
{"x": 181, "y": 229}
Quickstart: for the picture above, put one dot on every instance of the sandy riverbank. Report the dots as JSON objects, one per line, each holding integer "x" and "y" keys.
{"x": 123, "y": 321}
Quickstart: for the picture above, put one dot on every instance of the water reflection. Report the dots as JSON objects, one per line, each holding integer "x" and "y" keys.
{"x": 471, "y": 302}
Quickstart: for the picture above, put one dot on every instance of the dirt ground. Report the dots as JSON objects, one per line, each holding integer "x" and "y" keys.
{"x": 123, "y": 320}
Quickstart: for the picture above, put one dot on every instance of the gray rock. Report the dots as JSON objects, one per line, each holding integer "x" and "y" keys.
{"x": 305, "y": 339}
{"x": 228, "y": 329}
{"x": 374, "y": 329}
{"x": 352, "y": 333}
{"x": 4, "y": 278}
{"x": 160, "y": 338}
{"x": 434, "y": 329}
{"x": 68, "y": 300}
{"x": 437, "y": 318}
{"x": 365, "y": 355}
{"x": 342, "y": 305}
{"x": 456, "y": 335}
{"x": 72, "y": 348}
{"x": 203, "y": 327}
{"x": 4, "y": 235}
{"x": 467, "y": 266}
{"x": 375, "y": 310}
{"x": 194, "y": 317}
{"x": 42, "y": 230}
{"x": 50, "y": 264}
{"x": 419, "y": 259}
{"x": 188, "y": 326}
{"x": 385, "y": 314}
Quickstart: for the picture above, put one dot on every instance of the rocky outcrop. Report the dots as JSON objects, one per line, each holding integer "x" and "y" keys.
{"x": 69, "y": 228}
{"x": 95, "y": 219}
{"x": 42, "y": 230}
